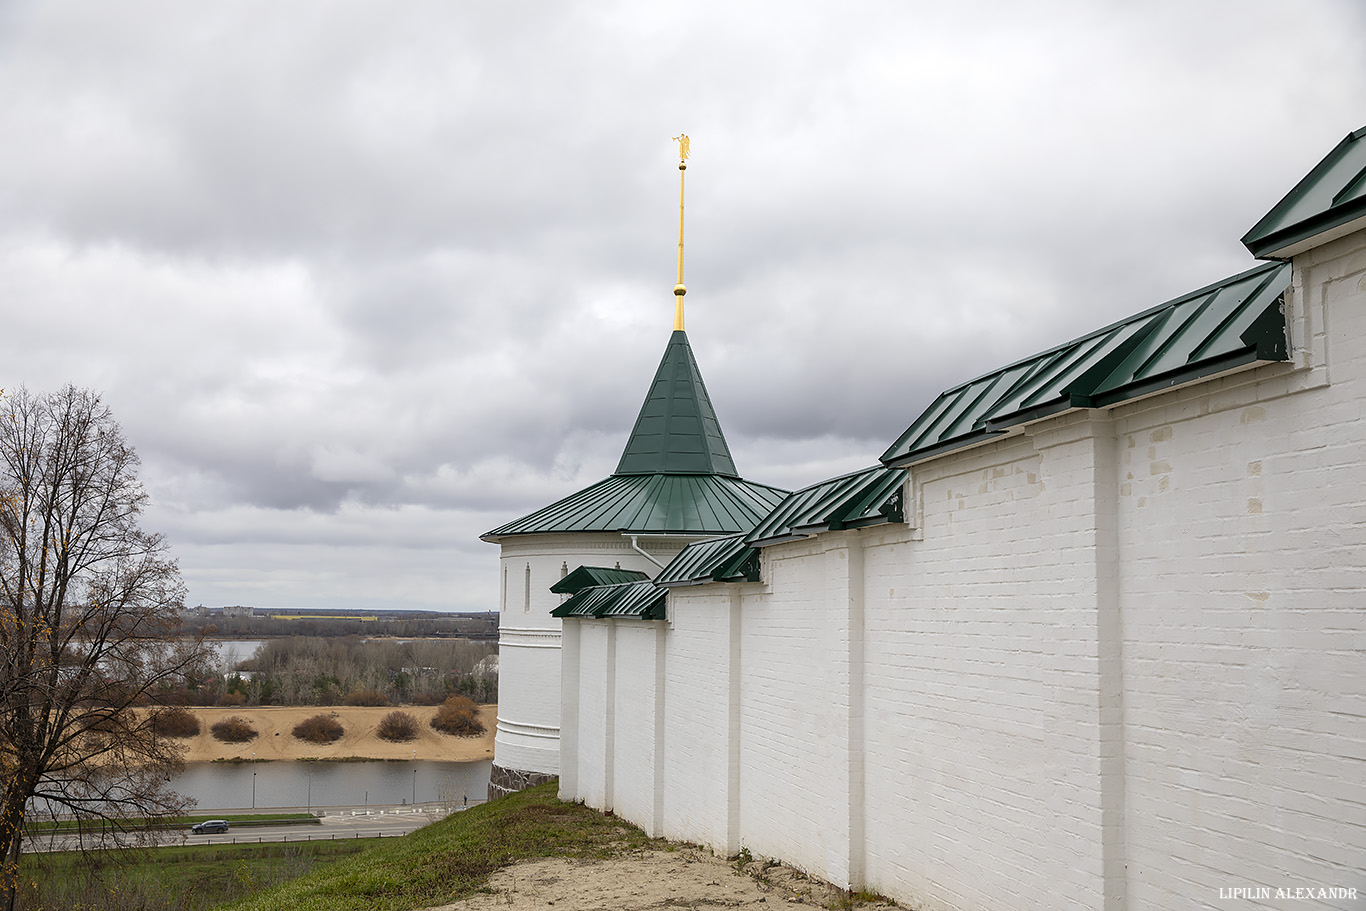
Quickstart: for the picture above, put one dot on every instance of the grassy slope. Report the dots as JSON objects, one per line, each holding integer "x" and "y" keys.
{"x": 451, "y": 859}
{"x": 183, "y": 879}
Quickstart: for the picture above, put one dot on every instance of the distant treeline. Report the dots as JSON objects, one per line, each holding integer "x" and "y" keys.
{"x": 350, "y": 671}
{"x": 266, "y": 627}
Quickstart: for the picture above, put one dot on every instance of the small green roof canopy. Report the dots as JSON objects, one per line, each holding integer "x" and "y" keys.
{"x": 1328, "y": 203}
{"x": 676, "y": 475}
{"x": 727, "y": 559}
{"x": 588, "y": 576}
{"x": 1231, "y": 323}
{"x": 642, "y": 600}
{"x": 855, "y": 500}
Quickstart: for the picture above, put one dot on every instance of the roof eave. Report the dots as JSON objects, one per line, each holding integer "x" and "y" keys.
{"x": 1237, "y": 362}
{"x": 1313, "y": 232}
{"x": 966, "y": 441}
{"x": 1267, "y": 244}
{"x": 777, "y": 539}
{"x": 683, "y": 583}
{"x": 868, "y": 522}
{"x": 1123, "y": 395}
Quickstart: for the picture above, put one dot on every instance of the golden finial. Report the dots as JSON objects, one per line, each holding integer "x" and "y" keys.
{"x": 679, "y": 289}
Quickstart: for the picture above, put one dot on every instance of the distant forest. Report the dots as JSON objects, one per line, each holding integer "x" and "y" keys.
{"x": 346, "y": 671}
{"x": 267, "y": 626}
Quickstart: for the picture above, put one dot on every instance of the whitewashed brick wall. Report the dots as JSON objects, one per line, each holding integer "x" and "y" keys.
{"x": 595, "y": 641}
{"x": 1242, "y": 526}
{"x": 795, "y": 708}
{"x": 701, "y": 724}
{"x": 636, "y": 792}
{"x": 981, "y": 686}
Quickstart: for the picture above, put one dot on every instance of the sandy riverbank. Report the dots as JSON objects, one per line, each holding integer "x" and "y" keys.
{"x": 274, "y": 724}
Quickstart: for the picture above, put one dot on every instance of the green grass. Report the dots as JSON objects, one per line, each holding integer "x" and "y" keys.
{"x": 169, "y": 879}
{"x": 238, "y": 760}
{"x": 342, "y": 759}
{"x": 453, "y": 858}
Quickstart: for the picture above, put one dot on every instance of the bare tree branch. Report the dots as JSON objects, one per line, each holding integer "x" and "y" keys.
{"x": 90, "y": 609}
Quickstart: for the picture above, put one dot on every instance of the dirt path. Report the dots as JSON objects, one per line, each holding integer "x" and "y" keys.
{"x": 686, "y": 877}
{"x": 274, "y": 724}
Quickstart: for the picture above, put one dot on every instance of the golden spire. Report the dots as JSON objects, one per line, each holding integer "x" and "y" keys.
{"x": 679, "y": 289}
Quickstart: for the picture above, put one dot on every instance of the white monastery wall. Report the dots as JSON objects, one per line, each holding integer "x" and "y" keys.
{"x": 528, "y": 732}
{"x": 1242, "y": 531}
{"x": 1113, "y": 662}
{"x": 636, "y": 794}
{"x": 596, "y": 673}
{"x": 794, "y": 708}
{"x": 701, "y": 717}
{"x": 981, "y": 767}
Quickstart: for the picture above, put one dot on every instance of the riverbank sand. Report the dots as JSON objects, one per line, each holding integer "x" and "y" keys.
{"x": 274, "y": 724}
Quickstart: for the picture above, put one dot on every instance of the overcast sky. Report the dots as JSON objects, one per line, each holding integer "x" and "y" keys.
{"x": 364, "y": 280}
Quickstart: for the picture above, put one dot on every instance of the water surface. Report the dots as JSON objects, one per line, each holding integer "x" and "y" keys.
{"x": 223, "y": 786}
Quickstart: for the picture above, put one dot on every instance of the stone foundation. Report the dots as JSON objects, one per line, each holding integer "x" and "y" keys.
{"x": 507, "y": 781}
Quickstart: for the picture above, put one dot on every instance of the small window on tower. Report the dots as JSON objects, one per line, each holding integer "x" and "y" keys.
{"x": 526, "y": 600}
{"x": 505, "y": 589}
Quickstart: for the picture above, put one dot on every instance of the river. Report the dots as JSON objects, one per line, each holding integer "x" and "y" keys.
{"x": 234, "y": 650}
{"x": 236, "y": 786}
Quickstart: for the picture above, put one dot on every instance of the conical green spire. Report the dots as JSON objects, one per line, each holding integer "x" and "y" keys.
{"x": 677, "y": 431}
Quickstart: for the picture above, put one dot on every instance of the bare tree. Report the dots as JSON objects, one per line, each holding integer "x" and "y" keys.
{"x": 90, "y": 609}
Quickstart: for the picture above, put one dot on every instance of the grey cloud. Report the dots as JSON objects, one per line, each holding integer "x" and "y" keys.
{"x": 362, "y": 282}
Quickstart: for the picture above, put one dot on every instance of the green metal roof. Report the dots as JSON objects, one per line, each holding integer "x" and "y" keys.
{"x": 653, "y": 504}
{"x": 588, "y": 576}
{"x": 727, "y": 559}
{"x": 677, "y": 431}
{"x": 1216, "y": 328}
{"x": 676, "y": 475}
{"x": 868, "y": 497}
{"x": 1322, "y": 205}
{"x": 643, "y": 600}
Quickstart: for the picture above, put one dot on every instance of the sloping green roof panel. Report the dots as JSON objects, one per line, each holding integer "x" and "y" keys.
{"x": 1330, "y": 197}
{"x": 866, "y": 497}
{"x": 588, "y": 576}
{"x": 641, "y": 599}
{"x": 1224, "y": 325}
{"x": 880, "y": 500}
{"x": 726, "y": 559}
{"x": 653, "y": 504}
{"x": 644, "y": 600}
{"x": 677, "y": 430}
{"x": 583, "y": 602}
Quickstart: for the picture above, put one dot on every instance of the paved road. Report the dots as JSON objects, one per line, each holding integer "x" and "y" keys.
{"x": 338, "y": 824}
{"x": 331, "y": 829}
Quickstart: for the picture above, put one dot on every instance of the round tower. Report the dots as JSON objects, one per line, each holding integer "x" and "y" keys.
{"x": 675, "y": 483}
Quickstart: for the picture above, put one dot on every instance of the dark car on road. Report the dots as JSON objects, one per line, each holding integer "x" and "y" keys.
{"x": 208, "y": 827}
